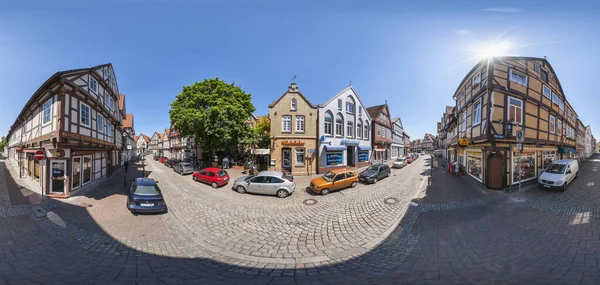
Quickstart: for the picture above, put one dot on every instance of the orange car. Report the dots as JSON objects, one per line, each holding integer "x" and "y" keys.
{"x": 334, "y": 180}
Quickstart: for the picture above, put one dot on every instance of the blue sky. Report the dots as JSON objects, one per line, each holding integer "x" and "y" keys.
{"x": 408, "y": 54}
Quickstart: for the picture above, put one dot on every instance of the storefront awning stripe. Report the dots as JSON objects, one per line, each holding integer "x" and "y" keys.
{"x": 364, "y": 147}
{"x": 566, "y": 150}
{"x": 334, "y": 147}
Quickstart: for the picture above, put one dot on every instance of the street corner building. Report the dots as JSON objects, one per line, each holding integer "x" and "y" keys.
{"x": 498, "y": 98}
{"x": 74, "y": 119}
{"x": 344, "y": 132}
{"x": 293, "y": 133}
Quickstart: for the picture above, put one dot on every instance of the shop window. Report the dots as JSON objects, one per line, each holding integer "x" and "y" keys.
{"x": 474, "y": 162}
{"x": 526, "y": 166}
{"x": 76, "y": 177}
{"x": 299, "y": 156}
{"x": 547, "y": 158}
{"x": 87, "y": 169}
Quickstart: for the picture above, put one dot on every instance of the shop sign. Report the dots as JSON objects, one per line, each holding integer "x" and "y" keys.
{"x": 349, "y": 142}
{"x": 261, "y": 151}
{"x": 56, "y": 153}
{"x": 83, "y": 138}
{"x": 499, "y": 136}
{"x": 311, "y": 150}
{"x": 334, "y": 158}
{"x": 464, "y": 142}
{"x": 292, "y": 143}
{"x": 363, "y": 156}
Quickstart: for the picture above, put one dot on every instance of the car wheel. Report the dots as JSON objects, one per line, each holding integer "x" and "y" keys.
{"x": 282, "y": 193}
{"x": 388, "y": 174}
{"x": 374, "y": 180}
{"x": 324, "y": 191}
{"x": 564, "y": 187}
{"x": 214, "y": 185}
{"x": 241, "y": 189}
{"x": 195, "y": 179}
{"x": 353, "y": 184}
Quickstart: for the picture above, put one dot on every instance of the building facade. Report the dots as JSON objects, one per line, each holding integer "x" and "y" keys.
{"x": 128, "y": 142}
{"x": 72, "y": 118}
{"x": 344, "y": 132}
{"x": 397, "y": 138}
{"x": 175, "y": 143}
{"x": 407, "y": 144}
{"x": 588, "y": 148}
{"x": 154, "y": 143}
{"x": 498, "y": 98}
{"x": 381, "y": 132}
{"x": 166, "y": 143}
{"x": 142, "y": 144}
{"x": 293, "y": 133}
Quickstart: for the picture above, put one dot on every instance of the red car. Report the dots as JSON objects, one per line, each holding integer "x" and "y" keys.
{"x": 163, "y": 159}
{"x": 410, "y": 159}
{"x": 216, "y": 177}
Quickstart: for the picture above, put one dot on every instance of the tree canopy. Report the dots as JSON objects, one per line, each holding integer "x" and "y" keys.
{"x": 263, "y": 132}
{"x": 2, "y": 143}
{"x": 215, "y": 113}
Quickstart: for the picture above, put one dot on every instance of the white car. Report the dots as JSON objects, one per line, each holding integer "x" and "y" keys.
{"x": 559, "y": 174}
{"x": 399, "y": 162}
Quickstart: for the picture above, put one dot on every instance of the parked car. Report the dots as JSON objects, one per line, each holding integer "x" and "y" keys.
{"x": 216, "y": 177}
{"x": 410, "y": 159}
{"x": 268, "y": 183}
{"x": 163, "y": 159}
{"x": 156, "y": 157}
{"x": 334, "y": 180}
{"x": 144, "y": 195}
{"x": 399, "y": 162}
{"x": 183, "y": 168}
{"x": 559, "y": 174}
{"x": 172, "y": 162}
{"x": 374, "y": 173}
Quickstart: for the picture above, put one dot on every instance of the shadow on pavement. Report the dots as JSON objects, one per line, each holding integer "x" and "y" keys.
{"x": 17, "y": 194}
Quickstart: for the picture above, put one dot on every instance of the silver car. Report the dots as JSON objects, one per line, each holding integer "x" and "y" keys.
{"x": 399, "y": 162}
{"x": 183, "y": 168}
{"x": 267, "y": 183}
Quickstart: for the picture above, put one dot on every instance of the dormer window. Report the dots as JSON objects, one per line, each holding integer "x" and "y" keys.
{"x": 93, "y": 84}
{"x": 293, "y": 104}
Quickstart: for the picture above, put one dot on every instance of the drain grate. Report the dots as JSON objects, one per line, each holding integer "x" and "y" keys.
{"x": 310, "y": 202}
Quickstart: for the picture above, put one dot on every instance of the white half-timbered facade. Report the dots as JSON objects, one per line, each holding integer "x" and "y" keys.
{"x": 153, "y": 145}
{"x": 72, "y": 118}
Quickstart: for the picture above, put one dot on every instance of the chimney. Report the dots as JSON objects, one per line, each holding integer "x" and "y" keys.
{"x": 293, "y": 87}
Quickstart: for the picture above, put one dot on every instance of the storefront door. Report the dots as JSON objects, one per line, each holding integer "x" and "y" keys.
{"x": 350, "y": 155}
{"x": 286, "y": 158}
{"x": 57, "y": 181}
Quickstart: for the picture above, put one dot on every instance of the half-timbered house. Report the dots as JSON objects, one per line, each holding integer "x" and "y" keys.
{"x": 153, "y": 145}
{"x": 72, "y": 119}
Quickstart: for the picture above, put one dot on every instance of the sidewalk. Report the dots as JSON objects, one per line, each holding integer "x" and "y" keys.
{"x": 16, "y": 191}
{"x": 446, "y": 187}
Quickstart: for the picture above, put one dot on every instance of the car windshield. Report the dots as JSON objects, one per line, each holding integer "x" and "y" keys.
{"x": 248, "y": 177}
{"x": 222, "y": 173}
{"x": 328, "y": 176}
{"x": 373, "y": 168}
{"x": 186, "y": 164}
{"x": 556, "y": 168}
{"x": 287, "y": 177}
{"x": 146, "y": 190}
{"x": 399, "y": 159}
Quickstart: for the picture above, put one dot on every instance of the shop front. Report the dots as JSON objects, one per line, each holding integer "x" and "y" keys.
{"x": 294, "y": 156}
{"x": 474, "y": 164}
{"x": 348, "y": 154}
{"x": 523, "y": 166}
{"x": 381, "y": 153}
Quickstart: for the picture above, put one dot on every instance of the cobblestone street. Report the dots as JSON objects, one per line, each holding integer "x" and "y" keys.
{"x": 396, "y": 231}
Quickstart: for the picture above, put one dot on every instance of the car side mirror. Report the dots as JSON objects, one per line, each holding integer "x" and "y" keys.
{"x": 569, "y": 172}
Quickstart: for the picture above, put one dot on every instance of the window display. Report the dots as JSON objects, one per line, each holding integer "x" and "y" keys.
{"x": 527, "y": 167}
{"x": 474, "y": 161}
{"x": 547, "y": 158}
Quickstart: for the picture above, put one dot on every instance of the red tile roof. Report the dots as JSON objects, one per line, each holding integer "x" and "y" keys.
{"x": 121, "y": 100}
{"x": 146, "y": 138}
{"x": 128, "y": 122}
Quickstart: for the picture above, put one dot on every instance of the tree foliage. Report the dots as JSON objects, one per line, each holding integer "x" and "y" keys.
{"x": 2, "y": 143}
{"x": 263, "y": 132}
{"x": 215, "y": 113}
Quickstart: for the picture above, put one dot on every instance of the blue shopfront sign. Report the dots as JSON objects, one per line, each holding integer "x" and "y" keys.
{"x": 334, "y": 158}
{"x": 349, "y": 142}
{"x": 363, "y": 156}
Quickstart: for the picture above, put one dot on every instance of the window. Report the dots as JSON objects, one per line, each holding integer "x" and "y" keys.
{"x": 350, "y": 174}
{"x": 569, "y": 113}
{"x": 476, "y": 80}
{"x": 25, "y": 127}
{"x": 299, "y": 123}
{"x": 339, "y": 131}
{"x": 350, "y": 129}
{"x": 359, "y": 130}
{"x": 461, "y": 95}
{"x": 108, "y": 101}
{"x": 100, "y": 123}
{"x": 477, "y": 112}
{"x": 339, "y": 104}
{"x": 536, "y": 68}
{"x": 47, "y": 113}
{"x": 109, "y": 129}
{"x": 328, "y": 124}
{"x": 350, "y": 107}
{"x": 515, "y": 110}
{"x": 552, "y": 124}
{"x": 547, "y": 92}
{"x": 544, "y": 76}
{"x": 554, "y": 98}
{"x": 561, "y": 104}
{"x": 378, "y": 130}
{"x": 366, "y": 136}
{"x": 287, "y": 123}
{"x": 518, "y": 77}
{"x": 299, "y": 156}
{"x": 293, "y": 104}
{"x": 559, "y": 127}
{"x": 463, "y": 123}
{"x": 85, "y": 114}
{"x": 339, "y": 177}
{"x": 360, "y": 110}
{"x": 93, "y": 84}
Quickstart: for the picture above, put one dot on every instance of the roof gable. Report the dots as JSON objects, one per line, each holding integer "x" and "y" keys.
{"x": 292, "y": 89}
{"x": 146, "y": 138}
{"x": 339, "y": 94}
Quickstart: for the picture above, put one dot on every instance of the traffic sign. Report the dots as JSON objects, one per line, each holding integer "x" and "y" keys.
{"x": 39, "y": 155}
{"x": 520, "y": 136}
{"x": 520, "y": 146}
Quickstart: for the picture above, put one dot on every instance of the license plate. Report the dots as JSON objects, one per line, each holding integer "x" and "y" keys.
{"x": 547, "y": 186}
{"x": 147, "y": 205}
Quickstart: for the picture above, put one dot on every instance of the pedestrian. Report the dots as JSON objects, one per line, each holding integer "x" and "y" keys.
{"x": 225, "y": 163}
{"x": 126, "y": 164}
{"x": 456, "y": 168}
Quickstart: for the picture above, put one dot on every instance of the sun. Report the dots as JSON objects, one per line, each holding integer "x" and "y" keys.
{"x": 494, "y": 49}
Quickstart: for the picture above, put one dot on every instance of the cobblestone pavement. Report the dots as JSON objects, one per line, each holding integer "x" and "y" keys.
{"x": 395, "y": 232}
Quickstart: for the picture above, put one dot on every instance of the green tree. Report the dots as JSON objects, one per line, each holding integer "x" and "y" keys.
{"x": 263, "y": 133}
{"x": 2, "y": 143}
{"x": 215, "y": 113}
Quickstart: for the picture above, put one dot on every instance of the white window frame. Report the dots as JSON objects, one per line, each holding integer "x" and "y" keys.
{"x": 559, "y": 127}
{"x": 100, "y": 123}
{"x": 359, "y": 130}
{"x": 544, "y": 88}
{"x": 284, "y": 119}
{"x": 366, "y": 134}
{"x": 340, "y": 104}
{"x": 47, "y": 107}
{"x": 300, "y": 151}
{"x": 515, "y": 72}
{"x": 476, "y": 79}
{"x": 552, "y": 124}
{"x": 89, "y": 115}
{"x": 328, "y": 131}
{"x": 93, "y": 84}
{"x": 300, "y": 124}
{"x": 293, "y": 105}
{"x": 340, "y": 125}
{"x": 378, "y": 130}
{"x": 349, "y": 128}
{"x": 521, "y": 107}
{"x": 463, "y": 123}
{"x": 350, "y": 107}
{"x": 477, "y": 113}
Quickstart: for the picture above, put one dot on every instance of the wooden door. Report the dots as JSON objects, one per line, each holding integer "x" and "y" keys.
{"x": 495, "y": 171}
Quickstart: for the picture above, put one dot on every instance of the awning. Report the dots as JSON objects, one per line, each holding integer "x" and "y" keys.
{"x": 260, "y": 151}
{"x": 567, "y": 150}
{"x": 334, "y": 147}
{"x": 364, "y": 147}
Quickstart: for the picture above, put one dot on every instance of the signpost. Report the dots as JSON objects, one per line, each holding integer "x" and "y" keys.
{"x": 39, "y": 155}
{"x": 520, "y": 140}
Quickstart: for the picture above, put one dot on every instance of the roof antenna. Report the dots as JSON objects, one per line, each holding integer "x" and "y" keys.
{"x": 350, "y": 83}
{"x": 386, "y": 101}
{"x": 294, "y": 78}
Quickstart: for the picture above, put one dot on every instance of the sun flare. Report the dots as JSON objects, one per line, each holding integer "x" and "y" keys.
{"x": 494, "y": 49}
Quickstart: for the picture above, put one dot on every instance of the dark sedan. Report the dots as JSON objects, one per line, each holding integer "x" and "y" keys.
{"x": 374, "y": 173}
{"x": 144, "y": 196}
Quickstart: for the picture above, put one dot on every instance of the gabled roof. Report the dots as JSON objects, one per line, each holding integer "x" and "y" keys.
{"x": 260, "y": 118}
{"x": 449, "y": 110}
{"x": 161, "y": 137}
{"x": 146, "y": 138}
{"x": 405, "y": 133}
{"x": 292, "y": 89}
{"x": 128, "y": 122}
{"x": 167, "y": 131}
{"x": 121, "y": 101}
{"x": 342, "y": 92}
{"x": 374, "y": 111}
{"x": 135, "y": 138}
